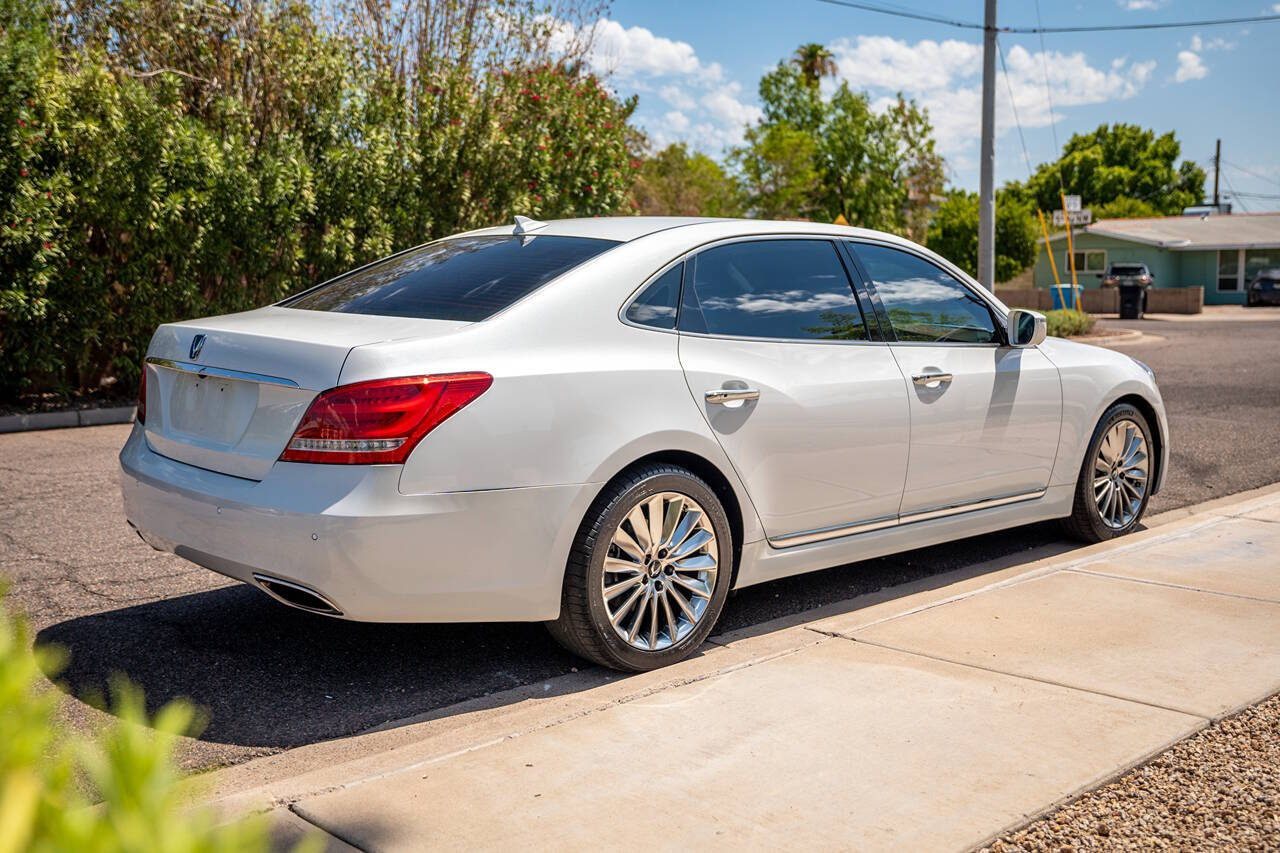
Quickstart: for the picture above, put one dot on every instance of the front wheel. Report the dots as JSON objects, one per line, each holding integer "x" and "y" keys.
{"x": 649, "y": 571}
{"x": 1115, "y": 480}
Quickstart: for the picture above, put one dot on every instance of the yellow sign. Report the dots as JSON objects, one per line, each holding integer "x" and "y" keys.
{"x": 840, "y": 220}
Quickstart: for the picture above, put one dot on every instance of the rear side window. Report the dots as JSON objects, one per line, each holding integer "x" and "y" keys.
{"x": 925, "y": 304}
{"x": 795, "y": 289}
{"x": 656, "y": 306}
{"x": 465, "y": 278}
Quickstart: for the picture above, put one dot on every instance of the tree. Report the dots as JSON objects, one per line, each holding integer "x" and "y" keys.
{"x": 876, "y": 169}
{"x": 953, "y": 233}
{"x": 779, "y": 172}
{"x": 674, "y": 182}
{"x": 815, "y": 62}
{"x": 1117, "y": 162}
{"x": 1124, "y": 208}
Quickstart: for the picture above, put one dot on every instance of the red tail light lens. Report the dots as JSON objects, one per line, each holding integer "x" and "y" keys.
{"x": 141, "y": 416}
{"x": 380, "y": 421}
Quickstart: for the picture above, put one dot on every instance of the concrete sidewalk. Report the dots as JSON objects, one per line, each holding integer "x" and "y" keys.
{"x": 932, "y": 717}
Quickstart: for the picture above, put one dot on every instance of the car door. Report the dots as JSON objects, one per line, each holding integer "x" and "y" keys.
{"x": 985, "y": 417}
{"x": 810, "y": 410}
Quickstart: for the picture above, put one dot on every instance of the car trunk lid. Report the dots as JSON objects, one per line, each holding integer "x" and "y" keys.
{"x": 226, "y": 393}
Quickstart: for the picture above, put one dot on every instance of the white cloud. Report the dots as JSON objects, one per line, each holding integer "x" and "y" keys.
{"x": 946, "y": 77}
{"x": 676, "y": 121}
{"x": 1141, "y": 5}
{"x": 677, "y": 97}
{"x": 1189, "y": 67}
{"x": 674, "y": 83}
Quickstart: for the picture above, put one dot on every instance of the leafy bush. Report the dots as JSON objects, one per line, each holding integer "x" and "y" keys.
{"x": 1065, "y": 322}
{"x": 164, "y": 160}
{"x": 111, "y": 792}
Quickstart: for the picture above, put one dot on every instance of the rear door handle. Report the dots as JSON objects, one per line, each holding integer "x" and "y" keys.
{"x": 720, "y": 396}
{"x": 931, "y": 378}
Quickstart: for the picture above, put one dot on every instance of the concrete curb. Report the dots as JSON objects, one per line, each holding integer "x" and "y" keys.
{"x": 62, "y": 420}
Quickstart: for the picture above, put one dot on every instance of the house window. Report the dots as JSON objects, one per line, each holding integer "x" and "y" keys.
{"x": 1229, "y": 269}
{"x": 1091, "y": 261}
{"x": 1257, "y": 260}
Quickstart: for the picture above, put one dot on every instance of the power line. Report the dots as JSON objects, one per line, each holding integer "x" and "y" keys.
{"x": 1048, "y": 94}
{"x": 1014, "y": 106}
{"x": 1106, "y": 28}
{"x": 1233, "y": 193}
{"x": 1252, "y": 173}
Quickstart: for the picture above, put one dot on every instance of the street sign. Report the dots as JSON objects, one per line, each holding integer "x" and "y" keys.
{"x": 1078, "y": 217}
{"x": 1072, "y": 202}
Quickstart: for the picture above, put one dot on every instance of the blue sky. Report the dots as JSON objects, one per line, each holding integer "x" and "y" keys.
{"x": 696, "y": 63}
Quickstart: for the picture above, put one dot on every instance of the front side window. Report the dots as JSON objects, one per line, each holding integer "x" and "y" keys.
{"x": 793, "y": 289}
{"x": 656, "y": 305}
{"x": 465, "y": 278}
{"x": 924, "y": 303}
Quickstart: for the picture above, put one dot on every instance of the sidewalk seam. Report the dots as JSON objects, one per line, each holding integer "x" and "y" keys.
{"x": 1171, "y": 585}
{"x": 1047, "y": 681}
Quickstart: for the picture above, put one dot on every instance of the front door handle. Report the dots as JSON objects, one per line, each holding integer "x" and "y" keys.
{"x": 720, "y": 396}
{"x": 930, "y": 378}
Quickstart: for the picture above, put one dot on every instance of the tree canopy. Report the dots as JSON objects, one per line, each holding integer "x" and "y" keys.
{"x": 1119, "y": 161}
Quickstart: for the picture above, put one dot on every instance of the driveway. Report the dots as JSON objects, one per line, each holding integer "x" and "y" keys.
{"x": 271, "y": 678}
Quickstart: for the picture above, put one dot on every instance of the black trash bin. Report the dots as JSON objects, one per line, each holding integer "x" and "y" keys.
{"x": 1133, "y": 301}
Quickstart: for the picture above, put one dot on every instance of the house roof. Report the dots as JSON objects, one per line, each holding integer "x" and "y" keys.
{"x": 1186, "y": 233}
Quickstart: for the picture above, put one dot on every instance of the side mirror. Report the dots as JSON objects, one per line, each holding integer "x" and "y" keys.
{"x": 1026, "y": 328}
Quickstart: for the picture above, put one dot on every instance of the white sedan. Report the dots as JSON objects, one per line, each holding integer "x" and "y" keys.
{"x": 607, "y": 424}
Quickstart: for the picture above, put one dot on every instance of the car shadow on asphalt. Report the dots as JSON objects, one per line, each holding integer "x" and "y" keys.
{"x": 268, "y": 676}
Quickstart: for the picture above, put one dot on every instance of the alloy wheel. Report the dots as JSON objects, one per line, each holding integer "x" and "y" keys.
{"x": 660, "y": 571}
{"x": 1120, "y": 474}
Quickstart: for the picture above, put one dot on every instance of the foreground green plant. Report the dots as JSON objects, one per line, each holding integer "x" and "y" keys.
{"x": 1065, "y": 323}
{"x": 113, "y": 791}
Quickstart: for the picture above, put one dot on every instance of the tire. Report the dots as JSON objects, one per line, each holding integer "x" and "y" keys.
{"x": 585, "y": 626}
{"x": 1093, "y": 517}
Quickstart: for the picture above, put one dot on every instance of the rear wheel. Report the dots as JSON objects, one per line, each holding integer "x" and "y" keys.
{"x": 1114, "y": 483}
{"x": 649, "y": 571}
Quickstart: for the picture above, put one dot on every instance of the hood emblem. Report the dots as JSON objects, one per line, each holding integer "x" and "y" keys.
{"x": 197, "y": 344}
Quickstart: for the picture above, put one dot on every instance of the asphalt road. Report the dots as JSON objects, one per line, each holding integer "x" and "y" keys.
{"x": 269, "y": 678}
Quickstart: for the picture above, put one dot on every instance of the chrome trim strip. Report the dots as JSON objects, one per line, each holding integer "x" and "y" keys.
{"x": 957, "y": 509}
{"x": 220, "y": 372}
{"x": 806, "y": 537}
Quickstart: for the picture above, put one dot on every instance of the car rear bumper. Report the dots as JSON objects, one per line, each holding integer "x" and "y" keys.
{"x": 346, "y": 533}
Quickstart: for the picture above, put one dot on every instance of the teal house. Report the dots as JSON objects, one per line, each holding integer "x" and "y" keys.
{"x": 1220, "y": 253}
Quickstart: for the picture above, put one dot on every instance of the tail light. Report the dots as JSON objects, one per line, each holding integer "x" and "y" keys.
{"x": 379, "y": 421}
{"x": 141, "y": 416}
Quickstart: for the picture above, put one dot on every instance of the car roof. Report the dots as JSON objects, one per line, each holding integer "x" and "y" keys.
{"x": 627, "y": 228}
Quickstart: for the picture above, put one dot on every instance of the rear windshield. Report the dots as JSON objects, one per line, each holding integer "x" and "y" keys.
{"x": 466, "y": 278}
{"x": 1128, "y": 269}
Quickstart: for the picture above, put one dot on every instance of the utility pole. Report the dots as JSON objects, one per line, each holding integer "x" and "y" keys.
{"x": 1217, "y": 163}
{"x": 987, "y": 189}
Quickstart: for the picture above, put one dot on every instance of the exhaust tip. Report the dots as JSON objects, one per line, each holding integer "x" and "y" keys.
{"x": 296, "y": 595}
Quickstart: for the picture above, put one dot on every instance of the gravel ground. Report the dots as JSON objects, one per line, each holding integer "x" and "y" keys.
{"x": 1218, "y": 789}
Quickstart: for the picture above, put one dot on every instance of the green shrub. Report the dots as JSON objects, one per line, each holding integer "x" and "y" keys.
{"x": 1065, "y": 323}
{"x": 163, "y": 160}
{"x": 114, "y": 791}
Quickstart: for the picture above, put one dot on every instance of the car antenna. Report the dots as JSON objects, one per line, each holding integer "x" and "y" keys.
{"x": 524, "y": 225}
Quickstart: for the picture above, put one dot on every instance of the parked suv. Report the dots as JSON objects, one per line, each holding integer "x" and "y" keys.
{"x": 1265, "y": 288}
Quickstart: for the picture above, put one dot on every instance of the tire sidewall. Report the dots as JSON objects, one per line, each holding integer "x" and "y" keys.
{"x": 1120, "y": 412}
{"x": 615, "y": 646}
